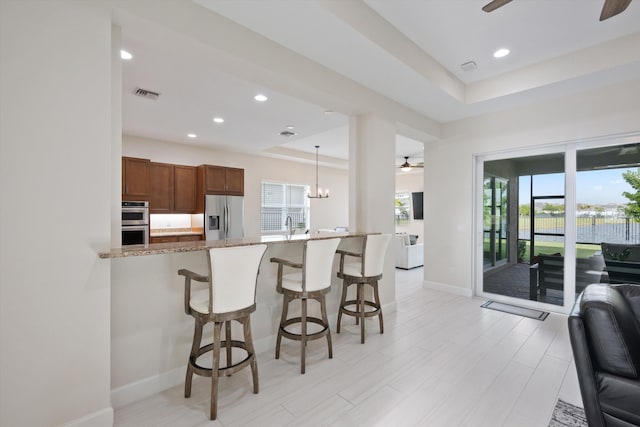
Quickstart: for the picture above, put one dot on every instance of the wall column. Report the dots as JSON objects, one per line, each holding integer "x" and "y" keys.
{"x": 55, "y": 157}
{"x": 372, "y": 142}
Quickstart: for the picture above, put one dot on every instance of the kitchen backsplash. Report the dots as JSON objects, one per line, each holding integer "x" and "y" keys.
{"x": 175, "y": 221}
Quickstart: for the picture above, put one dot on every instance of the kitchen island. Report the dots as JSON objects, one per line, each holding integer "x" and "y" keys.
{"x": 150, "y": 333}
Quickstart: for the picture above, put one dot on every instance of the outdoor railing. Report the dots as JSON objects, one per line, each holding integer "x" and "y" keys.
{"x": 589, "y": 229}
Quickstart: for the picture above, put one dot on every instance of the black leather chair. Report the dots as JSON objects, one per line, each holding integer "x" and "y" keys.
{"x": 604, "y": 327}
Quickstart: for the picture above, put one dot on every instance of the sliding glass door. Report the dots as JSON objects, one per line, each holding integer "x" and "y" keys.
{"x": 607, "y": 220}
{"x": 543, "y": 216}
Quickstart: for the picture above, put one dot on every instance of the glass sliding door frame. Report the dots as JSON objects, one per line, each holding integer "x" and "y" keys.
{"x": 569, "y": 149}
{"x": 478, "y": 222}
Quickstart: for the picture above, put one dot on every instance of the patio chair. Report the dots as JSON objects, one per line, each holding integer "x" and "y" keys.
{"x": 548, "y": 273}
{"x": 622, "y": 262}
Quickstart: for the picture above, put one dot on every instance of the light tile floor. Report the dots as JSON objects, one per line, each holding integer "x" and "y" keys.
{"x": 442, "y": 361}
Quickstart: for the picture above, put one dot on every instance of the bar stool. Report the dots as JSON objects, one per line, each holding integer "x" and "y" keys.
{"x": 313, "y": 281}
{"x": 366, "y": 269}
{"x": 232, "y": 281}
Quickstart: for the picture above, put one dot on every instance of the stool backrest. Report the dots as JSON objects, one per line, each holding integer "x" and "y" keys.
{"x": 373, "y": 253}
{"x": 318, "y": 264}
{"x": 233, "y": 274}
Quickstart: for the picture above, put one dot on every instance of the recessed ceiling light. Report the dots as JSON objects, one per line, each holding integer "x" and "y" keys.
{"x": 260, "y": 97}
{"x": 218, "y": 120}
{"x": 290, "y": 127}
{"x": 125, "y": 55}
{"x": 501, "y": 53}
{"x": 191, "y": 135}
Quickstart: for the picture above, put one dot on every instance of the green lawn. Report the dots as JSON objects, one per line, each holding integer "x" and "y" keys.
{"x": 583, "y": 250}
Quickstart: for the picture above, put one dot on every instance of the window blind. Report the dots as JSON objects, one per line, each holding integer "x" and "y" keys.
{"x": 280, "y": 200}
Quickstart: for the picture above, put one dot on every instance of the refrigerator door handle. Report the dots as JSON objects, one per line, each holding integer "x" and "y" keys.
{"x": 226, "y": 221}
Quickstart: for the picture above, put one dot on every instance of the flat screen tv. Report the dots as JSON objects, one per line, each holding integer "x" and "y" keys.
{"x": 416, "y": 200}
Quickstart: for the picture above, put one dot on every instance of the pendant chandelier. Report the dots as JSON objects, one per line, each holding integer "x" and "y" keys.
{"x": 318, "y": 194}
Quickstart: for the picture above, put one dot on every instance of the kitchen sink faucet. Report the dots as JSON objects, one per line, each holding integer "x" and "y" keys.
{"x": 289, "y": 223}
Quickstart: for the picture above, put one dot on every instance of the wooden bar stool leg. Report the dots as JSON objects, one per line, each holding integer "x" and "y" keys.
{"x": 362, "y": 311}
{"x": 227, "y": 335}
{"x": 303, "y": 334}
{"x": 358, "y": 299}
{"x": 342, "y": 301}
{"x": 195, "y": 346}
{"x": 376, "y": 297}
{"x": 215, "y": 366}
{"x": 283, "y": 319}
{"x": 248, "y": 339}
{"x": 325, "y": 319}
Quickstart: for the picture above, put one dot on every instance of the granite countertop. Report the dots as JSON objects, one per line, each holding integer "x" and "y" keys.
{"x": 170, "y": 248}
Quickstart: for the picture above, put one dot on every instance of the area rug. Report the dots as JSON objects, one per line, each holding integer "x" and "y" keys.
{"x": 514, "y": 309}
{"x": 566, "y": 414}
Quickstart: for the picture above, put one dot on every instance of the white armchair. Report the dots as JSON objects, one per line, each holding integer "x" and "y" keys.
{"x": 407, "y": 255}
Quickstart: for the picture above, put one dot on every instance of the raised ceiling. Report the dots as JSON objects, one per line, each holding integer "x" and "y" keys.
{"x": 406, "y": 52}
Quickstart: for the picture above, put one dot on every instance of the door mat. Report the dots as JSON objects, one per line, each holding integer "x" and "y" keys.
{"x": 566, "y": 414}
{"x": 514, "y": 309}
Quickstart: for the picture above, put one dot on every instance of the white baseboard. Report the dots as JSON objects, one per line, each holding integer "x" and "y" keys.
{"x": 144, "y": 388}
{"x": 101, "y": 418}
{"x": 465, "y": 292}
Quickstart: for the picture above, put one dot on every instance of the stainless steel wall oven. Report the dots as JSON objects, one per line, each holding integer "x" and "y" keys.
{"x": 135, "y": 223}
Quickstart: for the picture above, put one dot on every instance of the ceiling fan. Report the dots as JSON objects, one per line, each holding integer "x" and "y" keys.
{"x": 406, "y": 166}
{"x": 610, "y": 8}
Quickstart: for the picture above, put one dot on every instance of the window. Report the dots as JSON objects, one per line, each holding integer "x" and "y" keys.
{"x": 281, "y": 200}
{"x": 403, "y": 208}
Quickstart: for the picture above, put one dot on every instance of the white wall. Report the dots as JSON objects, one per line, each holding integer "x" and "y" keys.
{"x": 449, "y": 166}
{"x": 325, "y": 213}
{"x": 410, "y": 183}
{"x": 55, "y": 167}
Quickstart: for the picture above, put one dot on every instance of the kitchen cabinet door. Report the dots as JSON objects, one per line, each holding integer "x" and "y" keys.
{"x": 184, "y": 198}
{"x": 222, "y": 180}
{"x": 161, "y": 188}
{"x": 214, "y": 179}
{"x": 234, "y": 178}
{"x": 135, "y": 179}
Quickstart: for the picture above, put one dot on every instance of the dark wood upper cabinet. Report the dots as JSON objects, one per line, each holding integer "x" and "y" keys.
{"x": 184, "y": 195}
{"x": 214, "y": 179}
{"x": 135, "y": 178}
{"x": 161, "y": 198}
{"x": 234, "y": 178}
{"x": 222, "y": 180}
{"x": 173, "y": 188}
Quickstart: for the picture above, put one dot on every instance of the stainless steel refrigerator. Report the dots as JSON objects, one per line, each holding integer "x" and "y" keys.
{"x": 224, "y": 217}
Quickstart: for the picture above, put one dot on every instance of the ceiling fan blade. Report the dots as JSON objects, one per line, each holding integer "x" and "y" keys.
{"x": 493, "y": 5}
{"x": 406, "y": 166}
{"x": 612, "y": 8}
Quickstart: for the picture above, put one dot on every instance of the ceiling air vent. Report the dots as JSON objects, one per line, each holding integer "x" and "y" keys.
{"x": 144, "y": 93}
{"x": 287, "y": 133}
{"x": 469, "y": 66}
